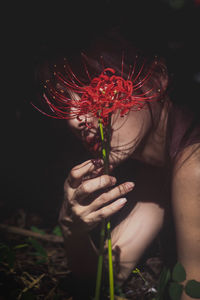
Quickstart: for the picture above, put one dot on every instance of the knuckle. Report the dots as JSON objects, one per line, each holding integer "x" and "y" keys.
{"x": 73, "y": 173}
{"x": 75, "y": 211}
{"x": 88, "y": 221}
{"x": 113, "y": 209}
{"x": 105, "y": 180}
{"x": 84, "y": 188}
{"x": 83, "y": 219}
{"x": 103, "y": 198}
{"x": 110, "y": 179}
{"x": 123, "y": 189}
{"x": 102, "y": 214}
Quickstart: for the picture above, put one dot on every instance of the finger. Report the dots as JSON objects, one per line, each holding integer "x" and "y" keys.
{"x": 78, "y": 172}
{"x": 93, "y": 174}
{"x": 116, "y": 192}
{"x": 97, "y": 172}
{"x": 93, "y": 185}
{"x": 107, "y": 211}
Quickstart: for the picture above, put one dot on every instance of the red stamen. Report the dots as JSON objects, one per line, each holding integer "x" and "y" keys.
{"x": 105, "y": 93}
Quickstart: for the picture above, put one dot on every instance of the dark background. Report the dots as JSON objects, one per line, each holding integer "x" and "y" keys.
{"x": 38, "y": 151}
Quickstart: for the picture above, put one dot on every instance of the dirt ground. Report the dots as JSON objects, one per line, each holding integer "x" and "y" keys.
{"x": 33, "y": 264}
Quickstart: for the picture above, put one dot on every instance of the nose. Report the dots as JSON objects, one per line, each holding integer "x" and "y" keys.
{"x": 82, "y": 122}
{"x": 77, "y": 123}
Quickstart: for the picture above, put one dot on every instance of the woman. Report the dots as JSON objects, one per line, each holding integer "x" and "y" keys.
{"x": 165, "y": 141}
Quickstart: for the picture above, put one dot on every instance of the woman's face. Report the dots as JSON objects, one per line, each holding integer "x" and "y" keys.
{"x": 126, "y": 133}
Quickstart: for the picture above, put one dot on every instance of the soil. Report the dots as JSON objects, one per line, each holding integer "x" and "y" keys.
{"x": 30, "y": 270}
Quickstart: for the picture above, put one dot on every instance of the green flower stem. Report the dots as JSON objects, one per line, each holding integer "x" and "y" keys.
{"x": 110, "y": 263}
{"x": 105, "y": 155}
{"x": 100, "y": 262}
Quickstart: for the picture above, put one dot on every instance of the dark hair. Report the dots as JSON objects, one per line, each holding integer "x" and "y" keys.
{"x": 108, "y": 50}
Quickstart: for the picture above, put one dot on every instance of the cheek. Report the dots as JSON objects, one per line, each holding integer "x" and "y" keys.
{"x": 72, "y": 123}
{"x": 122, "y": 129}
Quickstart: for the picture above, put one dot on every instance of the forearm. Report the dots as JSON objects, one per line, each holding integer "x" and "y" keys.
{"x": 134, "y": 235}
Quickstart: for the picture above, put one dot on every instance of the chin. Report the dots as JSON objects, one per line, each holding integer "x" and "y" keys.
{"x": 116, "y": 160}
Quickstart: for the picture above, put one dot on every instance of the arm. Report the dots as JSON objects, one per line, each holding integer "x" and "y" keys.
{"x": 186, "y": 209}
{"x": 137, "y": 231}
{"x": 135, "y": 234}
{"x": 83, "y": 209}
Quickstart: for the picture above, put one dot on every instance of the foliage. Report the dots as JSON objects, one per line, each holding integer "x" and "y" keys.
{"x": 35, "y": 229}
{"x": 170, "y": 284}
{"x": 192, "y": 289}
{"x": 57, "y": 231}
{"x": 164, "y": 279}
{"x": 173, "y": 283}
{"x": 7, "y": 254}
{"x": 40, "y": 252}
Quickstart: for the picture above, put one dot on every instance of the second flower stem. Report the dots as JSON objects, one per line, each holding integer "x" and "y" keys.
{"x": 110, "y": 262}
{"x": 105, "y": 155}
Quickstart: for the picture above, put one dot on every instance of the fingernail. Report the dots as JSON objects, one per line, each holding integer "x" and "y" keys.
{"x": 130, "y": 185}
{"x": 97, "y": 162}
{"x": 121, "y": 201}
{"x": 113, "y": 180}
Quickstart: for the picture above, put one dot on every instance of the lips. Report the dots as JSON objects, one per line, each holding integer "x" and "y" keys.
{"x": 92, "y": 143}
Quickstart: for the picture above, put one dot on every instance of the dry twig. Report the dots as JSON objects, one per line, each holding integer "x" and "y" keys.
{"x": 25, "y": 232}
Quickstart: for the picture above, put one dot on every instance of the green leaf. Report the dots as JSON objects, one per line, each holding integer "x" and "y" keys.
{"x": 57, "y": 231}
{"x": 20, "y": 246}
{"x": 175, "y": 290}
{"x": 136, "y": 271}
{"x": 178, "y": 273}
{"x": 35, "y": 229}
{"x": 192, "y": 289}
{"x": 38, "y": 247}
{"x": 164, "y": 279}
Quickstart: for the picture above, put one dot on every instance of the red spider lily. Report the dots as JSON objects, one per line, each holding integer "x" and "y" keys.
{"x": 102, "y": 96}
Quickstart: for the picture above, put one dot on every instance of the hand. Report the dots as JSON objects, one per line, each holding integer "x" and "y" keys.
{"x": 89, "y": 197}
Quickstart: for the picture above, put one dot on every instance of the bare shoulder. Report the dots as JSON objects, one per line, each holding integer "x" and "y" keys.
{"x": 187, "y": 164}
{"x": 186, "y": 195}
{"x": 186, "y": 186}
{"x": 186, "y": 208}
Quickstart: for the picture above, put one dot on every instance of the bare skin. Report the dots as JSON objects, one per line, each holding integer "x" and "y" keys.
{"x": 84, "y": 208}
{"x": 186, "y": 209}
